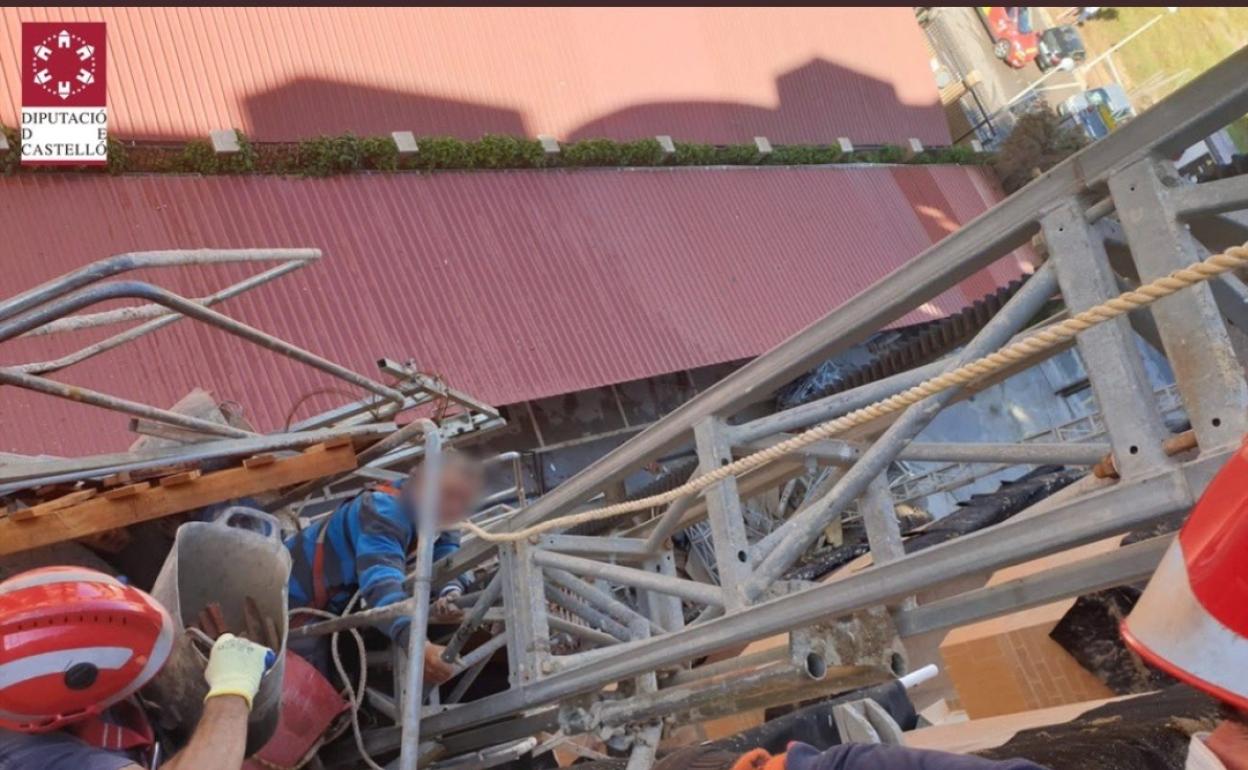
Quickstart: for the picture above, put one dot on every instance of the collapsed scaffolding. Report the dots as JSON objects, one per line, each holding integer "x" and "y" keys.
{"x": 1092, "y": 258}
{"x": 1114, "y": 217}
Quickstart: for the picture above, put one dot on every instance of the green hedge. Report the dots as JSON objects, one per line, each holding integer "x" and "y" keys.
{"x": 330, "y": 155}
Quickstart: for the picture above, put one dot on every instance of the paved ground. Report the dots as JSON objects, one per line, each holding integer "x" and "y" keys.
{"x": 962, "y": 45}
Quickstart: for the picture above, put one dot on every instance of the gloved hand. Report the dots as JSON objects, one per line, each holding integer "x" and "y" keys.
{"x": 445, "y": 609}
{"x": 235, "y": 667}
{"x": 437, "y": 670}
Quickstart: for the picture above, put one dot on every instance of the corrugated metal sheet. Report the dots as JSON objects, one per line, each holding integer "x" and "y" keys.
{"x": 512, "y": 285}
{"x": 699, "y": 74}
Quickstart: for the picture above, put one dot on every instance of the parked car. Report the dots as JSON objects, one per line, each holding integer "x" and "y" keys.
{"x": 1014, "y": 40}
{"x": 1098, "y": 111}
{"x": 1060, "y": 42}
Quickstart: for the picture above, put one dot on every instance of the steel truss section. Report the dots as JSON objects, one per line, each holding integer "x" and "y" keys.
{"x": 629, "y": 576}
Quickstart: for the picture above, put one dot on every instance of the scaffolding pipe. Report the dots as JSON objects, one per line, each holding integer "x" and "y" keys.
{"x": 63, "y": 471}
{"x": 685, "y": 589}
{"x": 83, "y": 395}
{"x": 602, "y": 600}
{"x": 466, "y": 680}
{"x": 1125, "y": 506}
{"x": 669, "y": 522}
{"x": 136, "y": 289}
{"x": 835, "y": 405}
{"x": 734, "y": 666}
{"x": 476, "y": 616}
{"x": 393, "y": 441}
{"x": 801, "y": 530}
{"x": 481, "y": 654}
{"x": 167, "y": 318}
{"x": 594, "y": 637}
{"x": 592, "y": 616}
{"x": 82, "y": 321}
{"x": 781, "y": 675}
{"x": 422, "y": 586}
{"x": 120, "y": 263}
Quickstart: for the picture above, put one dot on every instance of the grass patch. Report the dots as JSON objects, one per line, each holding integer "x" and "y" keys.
{"x": 1188, "y": 42}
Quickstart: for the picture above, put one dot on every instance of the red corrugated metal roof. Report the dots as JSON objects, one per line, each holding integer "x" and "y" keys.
{"x": 512, "y": 285}
{"x": 699, "y": 74}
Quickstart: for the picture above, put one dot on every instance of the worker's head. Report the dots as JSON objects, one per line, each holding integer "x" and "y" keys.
{"x": 76, "y": 642}
{"x": 460, "y": 485}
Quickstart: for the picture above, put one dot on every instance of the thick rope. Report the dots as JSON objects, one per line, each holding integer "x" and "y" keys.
{"x": 1038, "y": 342}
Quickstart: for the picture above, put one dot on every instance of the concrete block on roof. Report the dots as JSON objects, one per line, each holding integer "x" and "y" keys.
{"x": 225, "y": 141}
{"x": 763, "y": 144}
{"x": 406, "y": 142}
{"x": 550, "y": 145}
{"x": 977, "y": 145}
{"x": 913, "y": 147}
{"x": 666, "y": 145}
{"x": 844, "y": 143}
{"x": 4, "y": 143}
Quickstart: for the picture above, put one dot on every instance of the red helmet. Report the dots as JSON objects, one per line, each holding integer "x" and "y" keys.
{"x": 1192, "y": 619}
{"x": 74, "y": 642}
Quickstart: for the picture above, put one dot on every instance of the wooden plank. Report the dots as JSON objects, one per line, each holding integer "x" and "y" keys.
{"x": 230, "y": 447}
{"x": 73, "y": 498}
{"x": 125, "y": 478}
{"x": 100, "y": 514}
{"x": 129, "y": 490}
{"x": 118, "y": 479}
{"x": 184, "y": 477}
{"x": 259, "y": 461}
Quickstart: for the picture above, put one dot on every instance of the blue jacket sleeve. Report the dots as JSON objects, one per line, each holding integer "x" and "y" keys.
{"x": 382, "y": 537}
{"x": 874, "y": 756}
{"x": 447, "y": 544}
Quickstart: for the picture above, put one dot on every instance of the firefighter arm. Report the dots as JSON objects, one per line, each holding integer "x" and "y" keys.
{"x": 234, "y": 670}
{"x": 219, "y": 739}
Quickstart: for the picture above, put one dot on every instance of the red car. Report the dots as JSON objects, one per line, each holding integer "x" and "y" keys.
{"x": 1014, "y": 40}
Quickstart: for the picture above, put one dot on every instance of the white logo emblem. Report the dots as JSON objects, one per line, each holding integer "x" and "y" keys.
{"x": 71, "y": 57}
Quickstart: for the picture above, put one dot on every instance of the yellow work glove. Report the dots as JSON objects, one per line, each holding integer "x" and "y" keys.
{"x": 235, "y": 667}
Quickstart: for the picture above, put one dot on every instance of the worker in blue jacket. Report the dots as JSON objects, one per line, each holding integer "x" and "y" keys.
{"x": 363, "y": 546}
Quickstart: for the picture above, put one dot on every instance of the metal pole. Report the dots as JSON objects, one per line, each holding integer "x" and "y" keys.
{"x": 685, "y": 589}
{"x": 668, "y": 523}
{"x": 801, "y": 530}
{"x": 1087, "y": 66}
{"x": 1208, "y": 102}
{"x": 774, "y": 676}
{"x": 1122, "y": 507}
{"x": 839, "y": 452}
{"x": 601, "y": 599}
{"x": 124, "y": 289}
{"x": 593, "y": 617}
{"x": 16, "y": 476}
{"x": 476, "y": 616}
{"x": 1124, "y": 564}
{"x": 593, "y": 636}
{"x": 138, "y": 260}
{"x": 125, "y": 406}
{"x": 422, "y": 585}
{"x": 481, "y": 654}
{"x": 168, "y": 317}
{"x": 76, "y": 323}
{"x": 397, "y": 439}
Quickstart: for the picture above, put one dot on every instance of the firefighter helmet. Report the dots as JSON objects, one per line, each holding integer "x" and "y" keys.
{"x": 1192, "y": 619}
{"x": 76, "y": 641}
